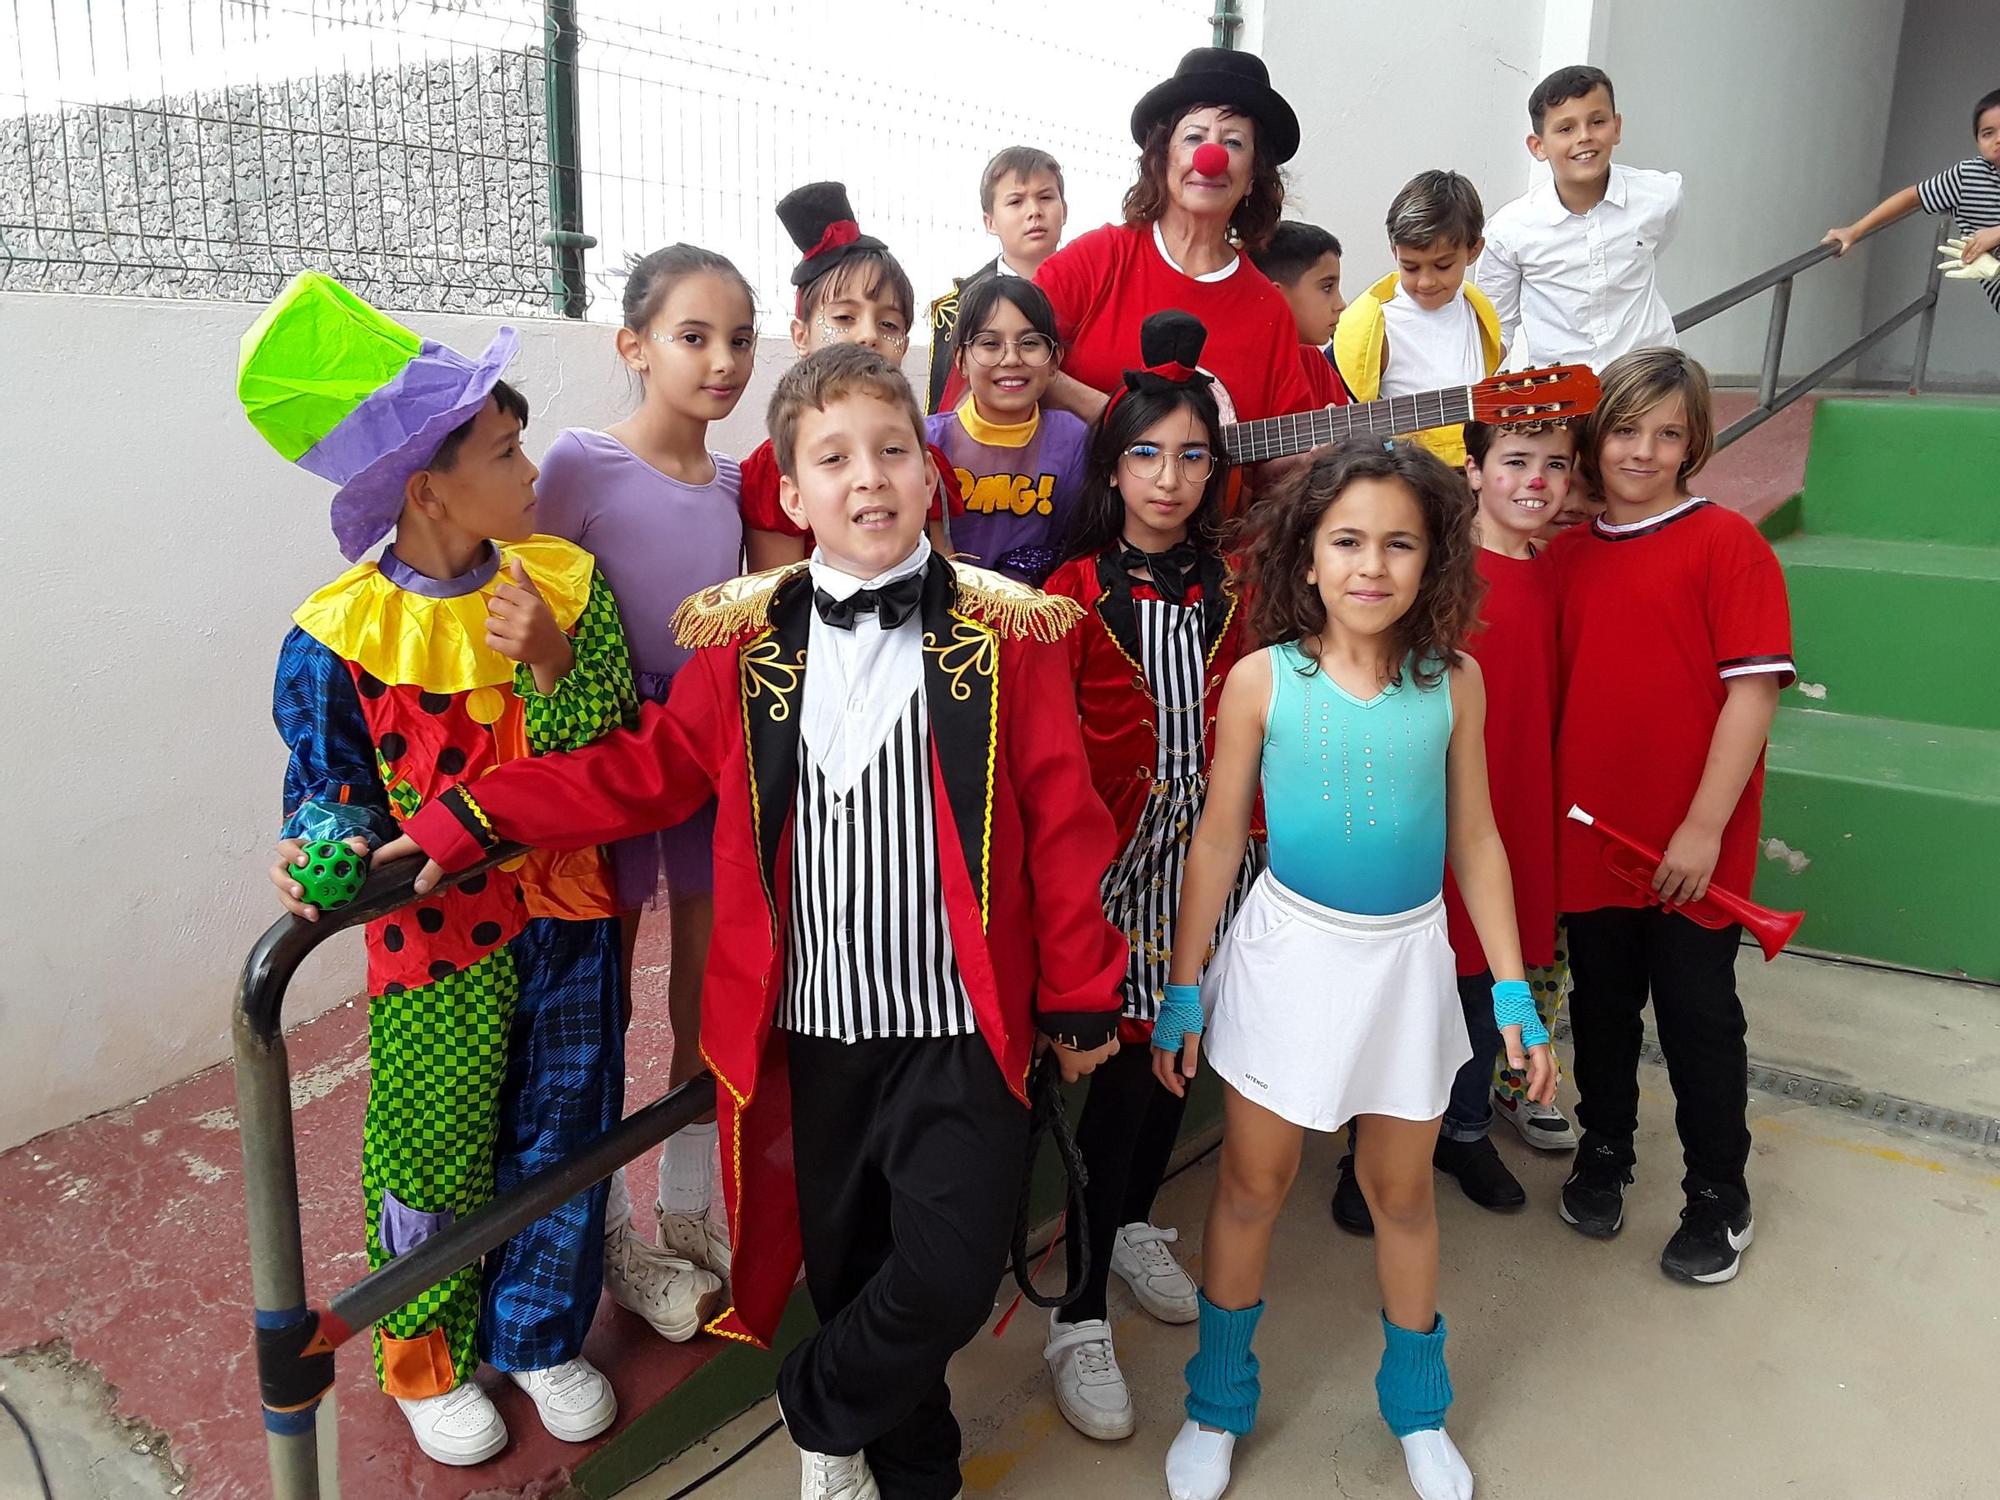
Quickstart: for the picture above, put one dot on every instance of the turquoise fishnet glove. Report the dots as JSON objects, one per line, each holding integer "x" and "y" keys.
{"x": 1514, "y": 1005}
{"x": 1179, "y": 1018}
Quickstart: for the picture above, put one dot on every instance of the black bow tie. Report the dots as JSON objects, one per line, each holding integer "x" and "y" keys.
{"x": 1169, "y": 571}
{"x": 893, "y": 603}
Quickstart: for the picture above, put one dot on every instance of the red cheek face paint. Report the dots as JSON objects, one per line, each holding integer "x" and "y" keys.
{"x": 1211, "y": 159}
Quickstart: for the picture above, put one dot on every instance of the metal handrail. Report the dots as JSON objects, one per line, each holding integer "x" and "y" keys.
{"x": 1778, "y": 279}
{"x": 296, "y": 1342}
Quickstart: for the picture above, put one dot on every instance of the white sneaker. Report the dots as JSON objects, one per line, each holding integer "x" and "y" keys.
{"x": 669, "y": 1293}
{"x": 1198, "y": 1463}
{"x": 825, "y": 1476}
{"x": 702, "y": 1239}
{"x": 1437, "y": 1469}
{"x": 573, "y": 1398}
{"x": 460, "y": 1427}
{"x": 1090, "y": 1388}
{"x": 1140, "y": 1256}
{"x": 1542, "y": 1126}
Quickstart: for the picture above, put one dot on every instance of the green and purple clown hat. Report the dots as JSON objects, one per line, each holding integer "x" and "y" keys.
{"x": 351, "y": 395}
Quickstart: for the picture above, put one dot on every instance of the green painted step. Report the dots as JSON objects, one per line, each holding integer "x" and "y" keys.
{"x": 1907, "y": 470}
{"x": 1893, "y": 828}
{"x": 1897, "y": 630}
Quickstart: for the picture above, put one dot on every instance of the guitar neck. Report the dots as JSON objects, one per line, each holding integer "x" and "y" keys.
{"x": 1274, "y": 437}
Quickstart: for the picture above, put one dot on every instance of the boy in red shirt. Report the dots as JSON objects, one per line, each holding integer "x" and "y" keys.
{"x": 1675, "y": 638}
{"x": 1303, "y": 262}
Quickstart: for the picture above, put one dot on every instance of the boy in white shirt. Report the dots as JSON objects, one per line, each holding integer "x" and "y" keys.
{"x": 1573, "y": 262}
{"x": 1424, "y": 327}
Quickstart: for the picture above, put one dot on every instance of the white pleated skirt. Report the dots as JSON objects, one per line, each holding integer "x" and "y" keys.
{"x": 1321, "y": 1015}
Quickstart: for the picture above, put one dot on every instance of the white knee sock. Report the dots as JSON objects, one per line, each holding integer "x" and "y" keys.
{"x": 618, "y": 1208}
{"x": 686, "y": 1167}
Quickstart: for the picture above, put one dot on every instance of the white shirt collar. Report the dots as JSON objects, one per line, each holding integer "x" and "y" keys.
{"x": 839, "y": 585}
{"x": 1556, "y": 210}
{"x": 1000, "y": 265}
{"x": 1219, "y": 274}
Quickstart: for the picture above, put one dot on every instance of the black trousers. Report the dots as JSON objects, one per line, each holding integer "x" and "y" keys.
{"x": 1126, "y": 1136}
{"x": 910, "y": 1155}
{"x": 1617, "y": 956}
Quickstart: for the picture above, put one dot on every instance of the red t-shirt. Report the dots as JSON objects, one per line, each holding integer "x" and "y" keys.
{"x": 761, "y": 511}
{"x": 1324, "y": 380}
{"x": 1106, "y": 283}
{"x": 1653, "y": 620}
{"x": 1516, "y": 651}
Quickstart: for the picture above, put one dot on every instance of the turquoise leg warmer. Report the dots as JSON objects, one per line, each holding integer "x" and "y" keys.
{"x": 1413, "y": 1387}
{"x": 1222, "y": 1377}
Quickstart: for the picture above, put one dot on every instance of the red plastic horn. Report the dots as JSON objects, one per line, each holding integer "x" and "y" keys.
{"x": 1637, "y": 863}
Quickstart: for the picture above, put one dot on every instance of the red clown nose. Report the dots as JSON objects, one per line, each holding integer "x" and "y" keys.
{"x": 1211, "y": 159}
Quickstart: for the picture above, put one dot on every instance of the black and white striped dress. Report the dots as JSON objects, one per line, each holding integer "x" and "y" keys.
{"x": 868, "y": 948}
{"x": 1970, "y": 192}
{"x": 1142, "y": 889}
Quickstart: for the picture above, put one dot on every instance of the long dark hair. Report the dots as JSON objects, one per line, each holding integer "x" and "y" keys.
{"x": 1255, "y": 217}
{"x": 1284, "y": 607}
{"x": 1099, "y": 518}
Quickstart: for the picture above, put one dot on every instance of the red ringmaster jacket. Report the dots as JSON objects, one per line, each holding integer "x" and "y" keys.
{"x": 1023, "y": 843}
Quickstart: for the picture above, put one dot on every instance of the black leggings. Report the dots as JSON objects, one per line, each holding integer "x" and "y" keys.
{"x": 1126, "y": 1135}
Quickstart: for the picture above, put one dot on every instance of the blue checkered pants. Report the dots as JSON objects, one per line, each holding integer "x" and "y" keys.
{"x": 565, "y": 1086}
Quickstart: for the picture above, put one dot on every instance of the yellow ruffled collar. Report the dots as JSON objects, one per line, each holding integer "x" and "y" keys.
{"x": 439, "y": 644}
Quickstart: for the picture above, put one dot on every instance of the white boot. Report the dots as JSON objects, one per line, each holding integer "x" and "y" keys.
{"x": 669, "y": 1293}
{"x": 1090, "y": 1388}
{"x": 460, "y": 1427}
{"x": 1140, "y": 1256}
{"x": 574, "y": 1400}
{"x": 826, "y": 1476}
{"x": 1437, "y": 1469}
{"x": 1198, "y": 1463}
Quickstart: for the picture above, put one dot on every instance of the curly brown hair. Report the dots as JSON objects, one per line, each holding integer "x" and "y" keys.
{"x": 1284, "y": 607}
{"x": 1258, "y": 214}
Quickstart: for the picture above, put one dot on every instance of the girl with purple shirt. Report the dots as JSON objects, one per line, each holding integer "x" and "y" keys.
{"x": 660, "y": 513}
{"x": 1019, "y": 465}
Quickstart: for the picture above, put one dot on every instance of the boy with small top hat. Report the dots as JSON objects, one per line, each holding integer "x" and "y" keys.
{"x": 908, "y": 851}
{"x": 851, "y": 290}
{"x": 494, "y": 1040}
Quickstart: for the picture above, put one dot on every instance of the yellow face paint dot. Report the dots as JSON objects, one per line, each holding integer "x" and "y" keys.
{"x": 485, "y": 705}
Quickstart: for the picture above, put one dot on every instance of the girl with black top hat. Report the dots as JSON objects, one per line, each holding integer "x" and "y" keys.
{"x": 1212, "y": 138}
{"x": 1162, "y": 626}
{"x": 851, "y": 290}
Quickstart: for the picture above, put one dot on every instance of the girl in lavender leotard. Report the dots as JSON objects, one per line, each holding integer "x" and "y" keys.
{"x": 660, "y": 513}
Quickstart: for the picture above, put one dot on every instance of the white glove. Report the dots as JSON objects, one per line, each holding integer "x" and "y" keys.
{"x": 1955, "y": 265}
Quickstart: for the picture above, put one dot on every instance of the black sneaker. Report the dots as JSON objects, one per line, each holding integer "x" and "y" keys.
{"x": 1350, "y": 1209}
{"x": 1593, "y": 1200}
{"x": 1480, "y": 1173}
{"x": 1708, "y": 1247}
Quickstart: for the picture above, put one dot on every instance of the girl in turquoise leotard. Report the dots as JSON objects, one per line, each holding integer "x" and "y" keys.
{"x": 1333, "y": 994}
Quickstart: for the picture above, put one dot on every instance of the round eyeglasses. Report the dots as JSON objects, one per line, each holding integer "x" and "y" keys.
{"x": 1149, "y": 461}
{"x": 989, "y": 349}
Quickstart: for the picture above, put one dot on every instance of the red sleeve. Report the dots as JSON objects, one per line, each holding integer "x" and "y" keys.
{"x": 1067, "y": 583}
{"x": 947, "y": 498}
{"x": 759, "y": 501}
{"x": 1749, "y": 616}
{"x": 1074, "y": 278}
{"x": 1070, "y": 843}
{"x": 1320, "y": 375}
{"x": 630, "y": 782}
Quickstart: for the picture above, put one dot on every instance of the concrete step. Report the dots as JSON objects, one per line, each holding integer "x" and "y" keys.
{"x": 1921, "y": 470}
{"x": 1861, "y": 605}
{"x": 1883, "y": 831}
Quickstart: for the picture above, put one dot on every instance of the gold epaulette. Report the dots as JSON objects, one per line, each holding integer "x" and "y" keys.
{"x": 1015, "y": 609}
{"x": 728, "y": 611}
{"x": 943, "y": 316}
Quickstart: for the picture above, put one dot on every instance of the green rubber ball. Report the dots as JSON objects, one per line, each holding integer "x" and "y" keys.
{"x": 332, "y": 875}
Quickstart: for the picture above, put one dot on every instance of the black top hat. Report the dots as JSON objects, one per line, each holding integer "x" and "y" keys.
{"x": 1217, "y": 75}
{"x": 820, "y": 221}
{"x": 1170, "y": 343}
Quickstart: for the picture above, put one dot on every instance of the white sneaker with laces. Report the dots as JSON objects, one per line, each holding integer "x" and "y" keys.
{"x": 702, "y": 1239}
{"x": 1542, "y": 1126}
{"x": 1090, "y": 1388}
{"x": 1140, "y": 1256}
{"x": 668, "y": 1292}
{"x": 461, "y": 1427}
{"x": 1198, "y": 1463}
{"x": 1437, "y": 1469}
{"x": 574, "y": 1399}
{"x": 827, "y": 1476}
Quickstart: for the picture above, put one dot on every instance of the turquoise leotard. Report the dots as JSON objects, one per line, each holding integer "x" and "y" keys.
{"x": 1354, "y": 790}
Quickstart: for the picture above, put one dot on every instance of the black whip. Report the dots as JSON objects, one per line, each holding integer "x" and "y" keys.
{"x": 1049, "y": 1115}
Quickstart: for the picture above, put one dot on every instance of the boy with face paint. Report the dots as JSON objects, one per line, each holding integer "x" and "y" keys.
{"x": 851, "y": 290}
{"x": 494, "y": 1037}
